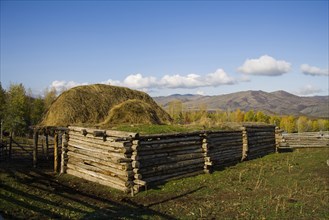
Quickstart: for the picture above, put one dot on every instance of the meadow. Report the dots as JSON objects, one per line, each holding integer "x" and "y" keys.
{"x": 292, "y": 185}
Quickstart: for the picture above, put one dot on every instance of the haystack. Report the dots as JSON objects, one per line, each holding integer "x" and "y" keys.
{"x": 101, "y": 104}
{"x": 132, "y": 111}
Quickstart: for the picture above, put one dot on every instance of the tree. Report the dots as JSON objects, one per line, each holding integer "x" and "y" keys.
{"x": 37, "y": 110}
{"x": 261, "y": 117}
{"x": 275, "y": 120}
{"x": 239, "y": 115}
{"x": 302, "y": 125}
{"x": 249, "y": 116}
{"x": 175, "y": 110}
{"x": 2, "y": 106}
{"x": 315, "y": 125}
{"x": 323, "y": 124}
{"x": 288, "y": 124}
{"x": 49, "y": 96}
{"x": 16, "y": 109}
{"x": 2, "y": 102}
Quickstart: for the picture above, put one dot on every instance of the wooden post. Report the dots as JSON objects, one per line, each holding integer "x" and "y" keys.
{"x": 245, "y": 146}
{"x": 64, "y": 154}
{"x": 56, "y": 152}
{"x": 10, "y": 144}
{"x": 47, "y": 145}
{"x": 35, "y": 148}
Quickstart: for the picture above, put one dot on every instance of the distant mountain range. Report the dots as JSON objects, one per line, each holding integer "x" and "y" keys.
{"x": 278, "y": 103}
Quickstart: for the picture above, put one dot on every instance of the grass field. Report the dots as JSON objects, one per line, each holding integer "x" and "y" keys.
{"x": 279, "y": 186}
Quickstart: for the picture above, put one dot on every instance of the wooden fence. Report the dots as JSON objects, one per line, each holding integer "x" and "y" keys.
{"x": 12, "y": 148}
{"x": 306, "y": 140}
{"x": 158, "y": 158}
{"x": 222, "y": 148}
{"x": 129, "y": 162}
{"x": 101, "y": 156}
{"x": 258, "y": 141}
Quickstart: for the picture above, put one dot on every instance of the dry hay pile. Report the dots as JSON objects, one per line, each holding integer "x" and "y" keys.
{"x": 104, "y": 105}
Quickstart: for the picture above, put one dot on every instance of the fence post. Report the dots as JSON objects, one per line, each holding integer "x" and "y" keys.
{"x": 10, "y": 144}
{"x": 245, "y": 146}
{"x": 47, "y": 145}
{"x": 64, "y": 154}
{"x": 56, "y": 152}
{"x": 35, "y": 148}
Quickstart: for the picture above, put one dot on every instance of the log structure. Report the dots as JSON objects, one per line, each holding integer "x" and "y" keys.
{"x": 258, "y": 141}
{"x": 159, "y": 158}
{"x": 222, "y": 148}
{"x": 129, "y": 162}
{"x": 101, "y": 156}
{"x": 307, "y": 139}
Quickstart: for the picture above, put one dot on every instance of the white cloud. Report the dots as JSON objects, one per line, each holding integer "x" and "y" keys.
{"x": 313, "y": 70}
{"x": 147, "y": 83}
{"x": 218, "y": 78}
{"x": 138, "y": 81}
{"x": 61, "y": 86}
{"x": 266, "y": 66}
{"x": 178, "y": 81}
{"x": 308, "y": 90}
{"x": 200, "y": 92}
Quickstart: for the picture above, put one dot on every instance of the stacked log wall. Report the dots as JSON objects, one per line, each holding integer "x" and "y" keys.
{"x": 159, "y": 158}
{"x": 258, "y": 141}
{"x": 222, "y": 148}
{"x": 129, "y": 162}
{"x": 307, "y": 139}
{"x": 101, "y": 156}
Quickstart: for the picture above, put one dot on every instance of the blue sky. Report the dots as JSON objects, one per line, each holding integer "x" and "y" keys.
{"x": 167, "y": 47}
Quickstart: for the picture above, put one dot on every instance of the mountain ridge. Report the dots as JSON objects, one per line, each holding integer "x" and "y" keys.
{"x": 273, "y": 103}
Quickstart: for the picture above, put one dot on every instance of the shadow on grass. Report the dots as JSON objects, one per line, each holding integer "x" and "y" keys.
{"x": 33, "y": 193}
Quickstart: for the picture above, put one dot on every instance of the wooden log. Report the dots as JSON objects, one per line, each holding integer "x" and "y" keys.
{"x": 169, "y": 136}
{"x": 110, "y": 133}
{"x": 170, "y": 140}
{"x": 98, "y": 175}
{"x": 47, "y": 146}
{"x": 115, "y": 147}
{"x": 102, "y": 155}
{"x": 168, "y": 159}
{"x": 99, "y": 134}
{"x": 153, "y": 173}
{"x": 101, "y": 169}
{"x": 212, "y": 154}
{"x": 118, "y": 167}
{"x": 224, "y": 135}
{"x": 56, "y": 153}
{"x": 140, "y": 182}
{"x": 219, "y": 146}
{"x": 99, "y": 141}
{"x": 155, "y": 146}
{"x": 91, "y": 136}
{"x": 259, "y": 138}
{"x": 10, "y": 144}
{"x": 165, "y": 167}
{"x": 173, "y": 151}
{"x": 64, "y": 154}
{"x": 97, "y": 180}
{"x": 93, "y": 149}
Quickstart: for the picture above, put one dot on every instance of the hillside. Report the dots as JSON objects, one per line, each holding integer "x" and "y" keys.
{"x": 279, "y": 102}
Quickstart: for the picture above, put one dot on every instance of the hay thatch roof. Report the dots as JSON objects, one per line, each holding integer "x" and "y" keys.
{"x": 102, "y": 104}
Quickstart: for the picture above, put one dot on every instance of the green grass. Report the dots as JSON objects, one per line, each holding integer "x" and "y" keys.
{"x": 279, "y": 186}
